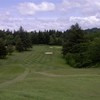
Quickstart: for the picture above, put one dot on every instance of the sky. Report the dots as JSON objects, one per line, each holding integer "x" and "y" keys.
{"x": 49, "y": 14}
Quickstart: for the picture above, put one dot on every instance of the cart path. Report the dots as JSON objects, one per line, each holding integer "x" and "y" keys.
{"x": 17, "y": 79}
{"x": 55, "y": 75}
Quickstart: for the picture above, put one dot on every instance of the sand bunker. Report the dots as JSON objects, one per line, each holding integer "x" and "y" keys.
{"x": 48, "y": 53}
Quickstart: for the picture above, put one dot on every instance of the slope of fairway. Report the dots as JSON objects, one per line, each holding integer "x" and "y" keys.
{"x": 35, "y": 75}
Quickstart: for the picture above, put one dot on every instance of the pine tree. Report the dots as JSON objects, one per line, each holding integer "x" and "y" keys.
{"x": 19, "y": 44}
{"x": 25, "y": 39}
{"x": 71, "y": 42}
{"x": 3, "y": 50}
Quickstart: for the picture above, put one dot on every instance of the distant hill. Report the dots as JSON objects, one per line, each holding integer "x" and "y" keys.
{"x": 93, "y": 30}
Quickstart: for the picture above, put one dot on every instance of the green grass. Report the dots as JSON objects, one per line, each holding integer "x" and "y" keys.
{"x": 32, "y": 75}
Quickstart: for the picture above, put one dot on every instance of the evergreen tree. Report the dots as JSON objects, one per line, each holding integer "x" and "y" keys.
{"x": 19, "y": 44}
{"x": 94, "y": 51}
{"x": 74, "y": 36}
{"x": 25, "y": 39}
{"x": 3, "y": 50}
{"x": 74, "y": 47}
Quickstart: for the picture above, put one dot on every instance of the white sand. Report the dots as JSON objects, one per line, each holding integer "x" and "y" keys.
{"x": 48, "y": 53}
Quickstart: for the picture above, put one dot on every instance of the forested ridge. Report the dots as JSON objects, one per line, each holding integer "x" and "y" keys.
{"x": 80, "y": 48}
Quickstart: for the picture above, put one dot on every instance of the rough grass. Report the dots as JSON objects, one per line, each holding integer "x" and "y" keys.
{"x": 32, "y": 75}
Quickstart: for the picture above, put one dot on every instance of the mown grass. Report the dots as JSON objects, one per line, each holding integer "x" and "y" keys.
{"x": 59, "y": 81}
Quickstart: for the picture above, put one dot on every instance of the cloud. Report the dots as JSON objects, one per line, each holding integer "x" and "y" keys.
{"x": 67, "y": 5}
{"x": 31, "y": 24}
{"x": 30, "y": 8}
{"x": 86, "y": 22}
{"x": 4, "y": 15}
{"x": 65, "y": 13}
{"x": 86, "y": 7}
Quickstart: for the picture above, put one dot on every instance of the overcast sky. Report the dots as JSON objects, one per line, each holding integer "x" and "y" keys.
{"x": 49, "y": 14}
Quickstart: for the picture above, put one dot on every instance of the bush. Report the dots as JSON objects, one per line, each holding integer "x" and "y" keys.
{"x": 70, "y": 59}
{"x": 94, "y": 51}
{"x": 10, "y": 49}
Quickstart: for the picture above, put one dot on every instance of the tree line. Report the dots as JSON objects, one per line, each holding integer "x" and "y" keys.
{"x": 80, "y": 48}
{"x": 22, "y": 40}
